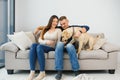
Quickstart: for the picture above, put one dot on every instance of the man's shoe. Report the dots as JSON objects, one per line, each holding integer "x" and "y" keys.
{"x": 76, "y": 73}
{"x": 58, "y": 75}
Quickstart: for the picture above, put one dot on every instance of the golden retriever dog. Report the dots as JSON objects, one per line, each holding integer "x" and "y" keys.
{"x": 84, "y": 39}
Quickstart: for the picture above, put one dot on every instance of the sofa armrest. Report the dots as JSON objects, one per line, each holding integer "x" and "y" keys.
{"x": 109, "y": 47}
{"x": 9, "y": 46}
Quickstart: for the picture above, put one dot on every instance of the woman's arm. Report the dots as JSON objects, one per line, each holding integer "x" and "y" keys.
{"x": 38, "y": 29}
{"x": 59, "y": 33}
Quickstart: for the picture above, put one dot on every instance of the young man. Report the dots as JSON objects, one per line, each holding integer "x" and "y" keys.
{"x": 69, "y": 48}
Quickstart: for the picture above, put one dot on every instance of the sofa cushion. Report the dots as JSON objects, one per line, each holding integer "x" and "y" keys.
{"x": 24, "y": 54}
{"x": 31, "y": 36}
{"x": 51, "y": 55}
{"x": 94, "y": 54}
{"x": 21, "y": 40}
{"x": 99, "y": 43}
{"x": 9, "y": 46}
{"x": 109, "y": 47}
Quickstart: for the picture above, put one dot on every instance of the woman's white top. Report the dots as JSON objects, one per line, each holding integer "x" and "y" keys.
{"x": 54, "y": 36}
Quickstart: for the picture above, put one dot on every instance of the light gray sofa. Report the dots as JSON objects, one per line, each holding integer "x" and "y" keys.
{"x": 104, "y": 58}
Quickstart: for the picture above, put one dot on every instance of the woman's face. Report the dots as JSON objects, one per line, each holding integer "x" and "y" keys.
{"x": 54, "y": 22}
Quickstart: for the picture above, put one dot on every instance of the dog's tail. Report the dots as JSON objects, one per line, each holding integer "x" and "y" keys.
{"x": 100, "y": 36}
{"x": 97, "y": 37}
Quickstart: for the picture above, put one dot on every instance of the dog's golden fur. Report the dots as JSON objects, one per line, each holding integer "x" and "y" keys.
{"x": 84, "y": 39}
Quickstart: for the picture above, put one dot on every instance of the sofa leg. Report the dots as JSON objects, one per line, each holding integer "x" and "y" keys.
{"x": 112, "y": 71}
{"x": 10, "y": 71}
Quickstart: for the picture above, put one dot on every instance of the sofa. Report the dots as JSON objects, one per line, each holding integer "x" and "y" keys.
{"x": 104, "y": 58}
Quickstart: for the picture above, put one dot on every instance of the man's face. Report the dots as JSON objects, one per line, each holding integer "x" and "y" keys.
{"x": 64, "y": 23}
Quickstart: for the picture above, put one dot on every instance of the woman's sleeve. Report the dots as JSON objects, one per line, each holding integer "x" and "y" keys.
{"x": 59, "y": 33}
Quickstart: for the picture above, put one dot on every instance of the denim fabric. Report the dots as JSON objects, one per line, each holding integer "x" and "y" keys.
{"x": 37, "y": 51}
{"x": 73, "y": 57}
{"x": 59, "y": 56}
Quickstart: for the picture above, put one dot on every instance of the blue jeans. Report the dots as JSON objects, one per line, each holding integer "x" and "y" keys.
{"x": 37, "y": 52}
{"x": 59, "y": 53}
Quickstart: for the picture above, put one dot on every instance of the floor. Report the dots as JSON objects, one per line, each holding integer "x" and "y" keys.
{"x": 96, "y": 75}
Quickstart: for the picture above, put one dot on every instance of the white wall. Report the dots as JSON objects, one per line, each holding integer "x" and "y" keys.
{"x": 100, "y": 15}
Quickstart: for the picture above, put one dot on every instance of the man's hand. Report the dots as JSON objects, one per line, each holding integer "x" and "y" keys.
{"x": 83, "y": 30}
{"x": 77, "y": 34}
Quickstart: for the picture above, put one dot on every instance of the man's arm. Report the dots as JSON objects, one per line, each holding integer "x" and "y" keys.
{"x": 84, "y": 29}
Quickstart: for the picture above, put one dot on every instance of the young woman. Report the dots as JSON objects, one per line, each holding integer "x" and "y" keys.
{"x": 48, "y": 38}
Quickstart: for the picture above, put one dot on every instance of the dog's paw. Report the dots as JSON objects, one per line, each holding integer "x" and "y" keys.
{"x": 78, "y": 52}
{"x": 88, "y": 49}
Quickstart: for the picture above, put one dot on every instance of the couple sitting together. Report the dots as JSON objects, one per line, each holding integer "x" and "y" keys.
{"x": 50, "y": 40}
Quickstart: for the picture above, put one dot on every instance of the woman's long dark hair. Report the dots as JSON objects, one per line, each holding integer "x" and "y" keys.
{"x": 49, "y": 25}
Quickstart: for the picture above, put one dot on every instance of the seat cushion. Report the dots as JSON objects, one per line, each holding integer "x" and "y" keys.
{"x": 24, "y": 54}
{"x": 93, "y": 54}
{"x": 51, "y": 55}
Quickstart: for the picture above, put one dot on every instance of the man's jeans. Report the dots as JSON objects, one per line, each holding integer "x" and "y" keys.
{"x": 38, "y": 51}
{"x": 59, "y": 53}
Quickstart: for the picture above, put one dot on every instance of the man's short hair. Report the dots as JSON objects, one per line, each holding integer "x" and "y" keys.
{"x": 62, "y": 17}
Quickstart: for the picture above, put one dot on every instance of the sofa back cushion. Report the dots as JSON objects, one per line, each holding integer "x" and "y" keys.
{"x": 22, "y": 40}
{"x": 100, "y": 42}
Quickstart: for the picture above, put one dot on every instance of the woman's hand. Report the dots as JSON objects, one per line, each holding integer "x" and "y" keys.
{"x": 50, "y": 42}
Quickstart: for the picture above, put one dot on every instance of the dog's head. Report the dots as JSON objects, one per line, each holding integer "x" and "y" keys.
{"x": 65, "y": 35}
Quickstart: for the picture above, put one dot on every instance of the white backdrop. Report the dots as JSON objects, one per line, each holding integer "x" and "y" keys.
{"x": 100, "y": 15}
